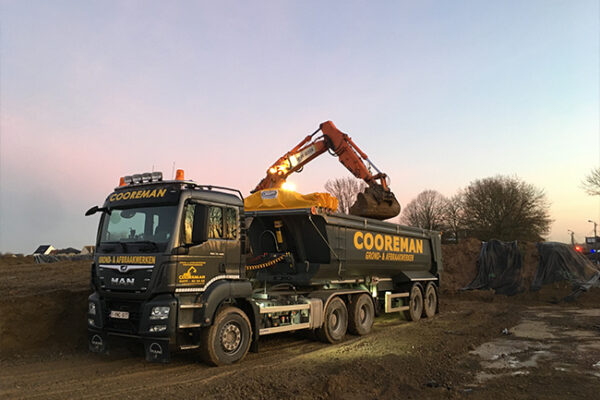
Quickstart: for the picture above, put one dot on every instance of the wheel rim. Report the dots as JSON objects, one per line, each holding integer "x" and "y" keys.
{"x": 334, "y": 320}
{"x": 362, "y": 314}
{"x": 417, "y": 306}
{"x": 231, "y": 337}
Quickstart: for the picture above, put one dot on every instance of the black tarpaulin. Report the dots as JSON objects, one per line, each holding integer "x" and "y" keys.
{"x": 499, "y": 267}
{"x": 559, "y": 262}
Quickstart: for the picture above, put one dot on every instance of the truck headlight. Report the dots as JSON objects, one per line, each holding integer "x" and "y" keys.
{"x": 159, "y": 313}
{"x": 92, "y": 308}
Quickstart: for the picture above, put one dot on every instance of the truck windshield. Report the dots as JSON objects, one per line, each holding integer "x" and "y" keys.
{"x": 150, "y": 228}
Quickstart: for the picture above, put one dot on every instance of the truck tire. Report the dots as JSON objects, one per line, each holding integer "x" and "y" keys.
{"x": 430, "y": 301}
{"x": 335, "y": 322}
{"x": 228, "y": 339}
{"x": 415, "y": 304}
{"x": 361, "y": 315}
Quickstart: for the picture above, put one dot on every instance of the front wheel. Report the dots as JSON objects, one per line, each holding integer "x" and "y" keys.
{"x": 228, "y": 339}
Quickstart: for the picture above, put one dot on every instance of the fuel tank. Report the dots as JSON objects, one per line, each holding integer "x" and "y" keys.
{"x": 314, "y": 247}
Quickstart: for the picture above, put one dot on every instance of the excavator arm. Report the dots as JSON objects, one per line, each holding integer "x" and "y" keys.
{"x": 377, "y": 201}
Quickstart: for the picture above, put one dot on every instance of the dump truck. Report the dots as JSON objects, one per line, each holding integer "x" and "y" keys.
{"x": 181, "y": 266}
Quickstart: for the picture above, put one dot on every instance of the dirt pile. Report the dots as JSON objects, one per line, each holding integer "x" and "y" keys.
{"x": 42, "y": 306}
{"x": 460, "y": 264}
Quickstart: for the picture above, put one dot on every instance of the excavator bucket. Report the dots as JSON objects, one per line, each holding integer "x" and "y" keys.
{"x": 375, "y": 203}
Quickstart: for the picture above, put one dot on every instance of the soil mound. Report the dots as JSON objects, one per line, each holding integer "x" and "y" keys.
{"x": 42, "y": 306}
{"x": 460, "y": 264}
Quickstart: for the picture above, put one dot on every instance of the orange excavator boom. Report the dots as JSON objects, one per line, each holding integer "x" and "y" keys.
{"x": 376, "y": 202}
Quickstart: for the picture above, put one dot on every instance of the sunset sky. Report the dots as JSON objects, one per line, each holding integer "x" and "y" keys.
{"x": 437, "y": 93}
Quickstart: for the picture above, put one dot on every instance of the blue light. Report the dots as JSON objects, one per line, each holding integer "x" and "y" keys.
{"x": 592, "y": 251}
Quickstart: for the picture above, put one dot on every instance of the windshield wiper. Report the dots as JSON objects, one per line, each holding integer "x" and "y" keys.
{"x": 123, "y": 245}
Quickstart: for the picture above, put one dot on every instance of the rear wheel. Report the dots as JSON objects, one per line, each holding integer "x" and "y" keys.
{"x": 430, "y": 301}
{"x": 361, "y": 314}
{"x": 228, "y": 339}
{"x": 335, "y": 322}
{"x": 415, "y": 304}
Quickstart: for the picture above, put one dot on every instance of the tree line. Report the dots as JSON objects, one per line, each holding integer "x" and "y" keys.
{"x": 500, "y": 207}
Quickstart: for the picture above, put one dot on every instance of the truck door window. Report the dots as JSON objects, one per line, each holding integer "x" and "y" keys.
{"x": 230, "y": 223}
{"x": 215, "y": 223}
{"x": 188, "y": 223}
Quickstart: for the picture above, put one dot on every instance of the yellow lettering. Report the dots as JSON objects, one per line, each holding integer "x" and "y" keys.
{"x": 146, "y": 194}
{"x": 396, "y": 243}
{"x": 368, "y": 241}
{"x": 161, "y": 192}
{"x": 153, "y": 193}
{"x": 420, "y": 246}
{"x": 119, "y": 196}
{"x": 126, "y": 195}
{"x": 412, "y": 246}
{"x": 112, "y": 197}
{"x": 379, "y": 242}
{"x": 403, "y": 244}
{"x": 388, "y": 243}
{"x": 358, "y": 245}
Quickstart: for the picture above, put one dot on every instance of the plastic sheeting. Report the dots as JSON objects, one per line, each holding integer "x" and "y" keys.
{"x": 279, "y": 199}
{"x": 559, "y": 262}
{"x": 499, "y": 267}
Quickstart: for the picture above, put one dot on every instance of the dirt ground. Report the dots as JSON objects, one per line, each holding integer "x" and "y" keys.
{"x": 480, "y": 346}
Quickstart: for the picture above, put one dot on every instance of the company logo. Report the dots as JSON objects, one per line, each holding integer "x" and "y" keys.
{"x": 268, "y": 194}
{"x": 383, "y": 247}
{"x": 155, "y": 349}
{"x": 123, "y": 281}
{"x": 190, "y": 276}
{"x": 96, "y": 340}
{"x": 123, "y": 268}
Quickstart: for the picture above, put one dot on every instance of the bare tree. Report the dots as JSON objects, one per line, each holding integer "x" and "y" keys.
{"x": 454, "y": 217}
{"x": 345, "y": 190}
{"x": 426, "y": 211}
{"x": 591, "y": 183}
{"x": 505, "y": 208}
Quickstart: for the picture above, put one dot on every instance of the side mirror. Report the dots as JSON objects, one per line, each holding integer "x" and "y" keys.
{"x": 200, "y": 226}
{"x": 92, "y": 211}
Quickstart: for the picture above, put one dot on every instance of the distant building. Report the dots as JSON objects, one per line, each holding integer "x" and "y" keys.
{"x": 88, "y": 250}
{"x": 44, "y": 250}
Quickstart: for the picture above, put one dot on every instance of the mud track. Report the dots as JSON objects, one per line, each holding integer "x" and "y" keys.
{"x": 549, "y": 351}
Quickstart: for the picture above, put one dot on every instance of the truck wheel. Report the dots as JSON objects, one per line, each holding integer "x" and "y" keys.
{"x": 430, "y": 301}
{"x": 361, "y": 315}
{"x": 415, "y": 304}
{"x": 228, "y": 339}
{"x": 335, "y": 322}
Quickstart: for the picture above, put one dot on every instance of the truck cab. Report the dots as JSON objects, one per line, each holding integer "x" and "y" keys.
{"x": 160, "y": 246}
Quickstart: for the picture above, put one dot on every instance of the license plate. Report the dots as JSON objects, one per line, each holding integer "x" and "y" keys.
{"x": 119, "y": 314}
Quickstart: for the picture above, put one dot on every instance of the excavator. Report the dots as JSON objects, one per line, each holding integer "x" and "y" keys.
{"x": 377, "y": 201}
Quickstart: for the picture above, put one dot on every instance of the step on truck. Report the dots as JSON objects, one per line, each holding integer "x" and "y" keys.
{"x": 180, "y": 266}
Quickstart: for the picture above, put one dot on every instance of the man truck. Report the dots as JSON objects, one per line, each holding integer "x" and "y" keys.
{"x": 180, "y": 266}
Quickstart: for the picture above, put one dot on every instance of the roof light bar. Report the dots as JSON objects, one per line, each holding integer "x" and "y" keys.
{"x": 141, "y": 178}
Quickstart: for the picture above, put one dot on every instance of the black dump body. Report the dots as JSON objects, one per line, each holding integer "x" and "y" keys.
{"x": 311, "y": 247}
